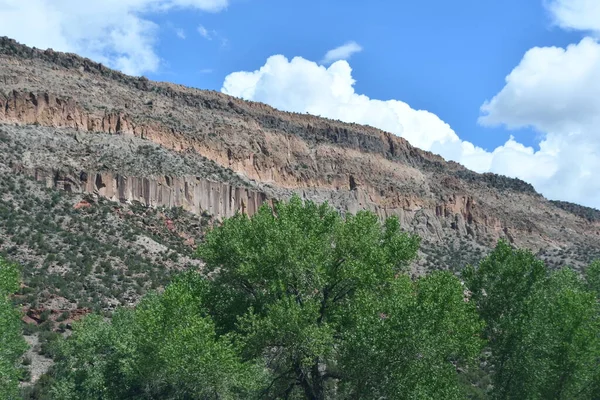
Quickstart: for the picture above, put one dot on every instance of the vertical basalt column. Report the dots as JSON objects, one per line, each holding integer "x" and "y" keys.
{"x": 194, "y": 194}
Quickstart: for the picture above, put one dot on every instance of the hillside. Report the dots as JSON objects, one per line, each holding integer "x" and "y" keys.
{"x": 79, "y": 126}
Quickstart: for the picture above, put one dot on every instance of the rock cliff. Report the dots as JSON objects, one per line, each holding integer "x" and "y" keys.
{"x": 257, "y": 154}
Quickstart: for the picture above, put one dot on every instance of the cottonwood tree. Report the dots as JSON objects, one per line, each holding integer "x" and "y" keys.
{"x": 323, "y": 300}
{"x": 12, "y": 344}
{"x": 592, "y": 277}
{"x": 408, "y": 340}
{"x": 542, "y": 327}
{"x": 164, "y": 349}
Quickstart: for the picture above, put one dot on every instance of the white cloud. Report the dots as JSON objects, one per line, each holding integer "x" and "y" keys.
{"x": 583, "y": 15}
{"x": 180, "y": 33}
{"x": 210, "y": 34}
{"x": 114, "y": 32}
{"x": 342, "y": 52}
{"x": 557, "y": 91}
{"x": 554, "y": 90}
{"x": 204, "y": 32}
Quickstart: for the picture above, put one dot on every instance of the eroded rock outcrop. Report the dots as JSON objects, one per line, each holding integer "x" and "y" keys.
{"x": 194, "y": 194}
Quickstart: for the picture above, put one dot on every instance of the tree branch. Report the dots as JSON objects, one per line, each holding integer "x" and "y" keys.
{"x": 283, "y": 375}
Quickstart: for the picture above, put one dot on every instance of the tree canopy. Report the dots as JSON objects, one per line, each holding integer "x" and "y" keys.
{"x": 311, "y": 293}
{"x": 166, "y": 348}
{"x": 542, "y": 327}
{"x": 12, "y": 344}
{"x": 294, "y": 302}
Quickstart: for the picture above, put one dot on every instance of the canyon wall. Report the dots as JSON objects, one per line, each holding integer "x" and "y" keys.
{"x": 222, "y": 200}
{"x": 353, "y": 167}
{"x": 458, "y": 211}
{"x": 452, "y": 213}
{"x": 194, "y": 194}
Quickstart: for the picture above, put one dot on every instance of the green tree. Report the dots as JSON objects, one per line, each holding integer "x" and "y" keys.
{"x": 164, "y": 349}
{"x": 299, "y": 287}
{"x": 12, "y": 345}
{"x": 409, "y": 339}
{"x": 542, "y": 328}
{"x": 592, "y": 277}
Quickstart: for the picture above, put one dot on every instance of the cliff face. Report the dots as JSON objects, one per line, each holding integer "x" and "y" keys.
{"x": 109, "y": 166}
{"x": 193, "y": 194}
{"x": 271, "y": 155}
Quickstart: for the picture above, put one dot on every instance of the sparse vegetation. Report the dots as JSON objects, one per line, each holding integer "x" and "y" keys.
{"x": 590, "y": 214}
{"x": 75, "y": 256}
{"x": 500, "y": 182}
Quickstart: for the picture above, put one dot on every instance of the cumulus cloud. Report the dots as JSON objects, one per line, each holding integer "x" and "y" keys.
{"x": 114, "y": 32}
{"x": 557, "y": 92}
{"x": 583, "y": 15}
{"x": 342, "y": 52}
{"x": 554, "y": 90}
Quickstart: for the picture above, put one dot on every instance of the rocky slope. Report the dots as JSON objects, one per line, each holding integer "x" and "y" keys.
{"x": 92, "y": 129}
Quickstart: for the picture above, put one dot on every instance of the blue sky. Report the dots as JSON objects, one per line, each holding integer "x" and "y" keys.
{"x": 511, "y": 87}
